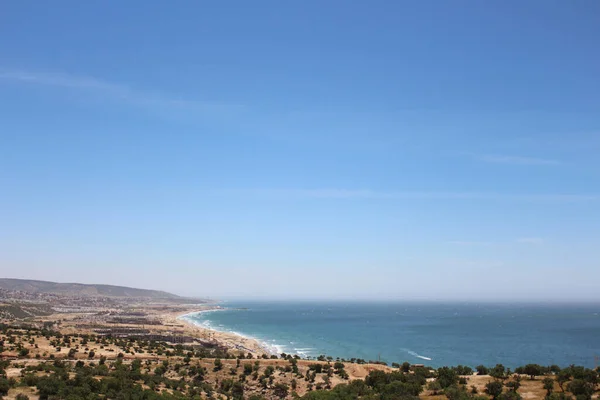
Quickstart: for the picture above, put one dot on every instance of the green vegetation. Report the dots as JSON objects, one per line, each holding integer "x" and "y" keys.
{"x": 77, "y": 367}
{"x": 494, "y": 389}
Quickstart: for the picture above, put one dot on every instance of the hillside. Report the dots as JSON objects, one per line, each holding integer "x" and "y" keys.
{"x": 80, "y": 289}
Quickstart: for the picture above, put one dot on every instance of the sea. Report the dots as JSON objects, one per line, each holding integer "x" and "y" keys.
{"x": 434, "y": 334}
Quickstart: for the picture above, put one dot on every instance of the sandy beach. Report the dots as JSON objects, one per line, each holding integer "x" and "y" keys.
{"x": 229, "y": 340}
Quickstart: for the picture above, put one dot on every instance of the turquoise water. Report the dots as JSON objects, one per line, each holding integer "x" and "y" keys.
{"x": 432, "y": 334}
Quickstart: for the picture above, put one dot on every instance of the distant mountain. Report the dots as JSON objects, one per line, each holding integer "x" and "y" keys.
{"x": 80, "y": 289}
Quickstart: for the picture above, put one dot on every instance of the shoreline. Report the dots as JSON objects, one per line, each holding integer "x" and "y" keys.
{"x": 231, "y": 340}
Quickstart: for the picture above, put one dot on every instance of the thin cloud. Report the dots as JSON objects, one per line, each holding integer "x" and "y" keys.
{"x": 469, "y": 243}
{"x": 365, "y": 194}
{"x": 473, "y": 263}
{"x": 564, "y": 142}
{"x": 523, "y": 240}
{"x": 117, "y": 92}
{"x": 531, "y": 240}
{"x": 516, "y": 160}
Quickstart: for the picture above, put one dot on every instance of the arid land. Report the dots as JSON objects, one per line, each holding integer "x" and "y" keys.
{"x": 142, "y": 341}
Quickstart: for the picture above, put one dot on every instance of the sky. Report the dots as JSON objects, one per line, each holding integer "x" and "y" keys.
{"x": 428, "y": 150}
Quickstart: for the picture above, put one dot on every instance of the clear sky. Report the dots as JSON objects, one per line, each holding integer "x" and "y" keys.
{"x": 378, "y": 149}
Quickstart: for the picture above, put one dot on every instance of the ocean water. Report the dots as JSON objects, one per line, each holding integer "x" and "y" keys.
{"x": 431, "y": 334}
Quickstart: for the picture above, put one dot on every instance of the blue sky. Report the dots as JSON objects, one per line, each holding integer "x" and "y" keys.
{"x": 387, "y": 149}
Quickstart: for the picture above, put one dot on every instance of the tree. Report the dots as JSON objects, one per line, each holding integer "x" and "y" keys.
{"x": 447, "y": 377}
{"x": 281, "y": 390}
{"x": 482, "y": 370}
{"x": 498, "y": 372}
{"x": 237, "y": 390}
{"x": 405, "y": 367}
{"x": 398, "y": 389}
{"x": 555, "y": 369}
{"x": 435, "y": 387}
{"x": 581, "y": 389}
{"x": 4, "y": 386}
{"x": 463, "y": 370}
{"x": 218, "y": 365}
{"x": 563, "y": 377}
{"x": 548, "y": 386}
{"x": 513, "y": 385}
{"x": 510, "y": 395}
{"x": 559, "y": 396}
{"x": 494, "y": 389}
{"x": 49, "y": 386}
{"x": 532, "y": 370}
{"x": 457, "y": 393}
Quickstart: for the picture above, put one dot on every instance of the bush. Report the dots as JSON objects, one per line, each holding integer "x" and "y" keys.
{"x": 498, "y": 372}
{"x": 4, "y": 386}
{"x": 463, "y": 370}
{"x": 405, "y": 366}
{"x": 532, "y": 370}
{"x": 581, "y": 389}
{"x": 548, "y": 385}
{"x": 494, "y": 389}
{"x": 435, "y": 387}
{"x": 446, "y": 377}
{"x": 482, "y": 370}
{"x": 281, "y": 390}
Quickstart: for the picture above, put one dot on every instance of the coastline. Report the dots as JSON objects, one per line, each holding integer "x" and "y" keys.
{"x": 232, "y": 341}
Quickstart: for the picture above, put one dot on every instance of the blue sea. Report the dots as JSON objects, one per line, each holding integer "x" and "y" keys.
{"x": 429, "y": 333}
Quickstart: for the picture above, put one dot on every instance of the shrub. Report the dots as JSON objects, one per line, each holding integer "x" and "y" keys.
{"x": 494, "y": 389}
{"x": 281, "y": 390}
{"x": 447, "y": 377}
{"x": 4, "y": 386}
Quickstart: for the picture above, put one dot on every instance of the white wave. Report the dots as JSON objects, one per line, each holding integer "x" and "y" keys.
{"x": 412, "y": 353}
{"x": 304, "y": 352}
{"x": 195, "y": 313}
{"x": 202, "y": 324}
{"x": 269, "y": 346}
{"x": 280, "y": 348}
{"x": 207, "y": 324}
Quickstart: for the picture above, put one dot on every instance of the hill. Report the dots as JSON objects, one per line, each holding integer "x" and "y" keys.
{"x": 80, "y": 289}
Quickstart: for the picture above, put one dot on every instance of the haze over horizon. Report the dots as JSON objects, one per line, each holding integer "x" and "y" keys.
{"x": 389, "y": 150}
